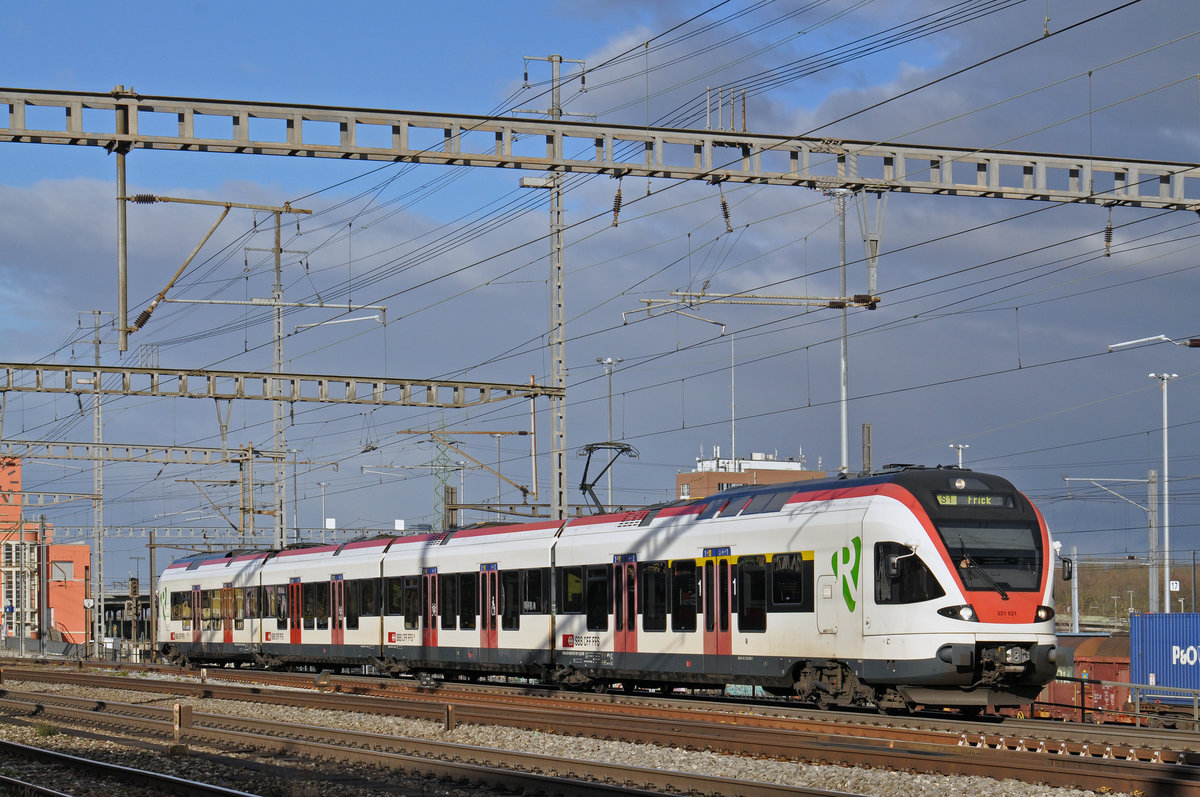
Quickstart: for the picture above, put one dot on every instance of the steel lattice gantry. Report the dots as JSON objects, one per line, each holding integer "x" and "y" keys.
{"x": 184, "y": 383}
{"x": 200, "y": 125}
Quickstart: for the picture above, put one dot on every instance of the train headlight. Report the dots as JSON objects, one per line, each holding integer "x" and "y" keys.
{"x": 1043, "y": 614}
{"x": 965, "y": 612}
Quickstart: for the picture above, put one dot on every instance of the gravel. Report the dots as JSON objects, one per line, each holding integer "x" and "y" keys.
{"x": 857, "y": 780}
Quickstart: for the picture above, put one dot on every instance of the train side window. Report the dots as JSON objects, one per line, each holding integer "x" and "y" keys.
{"x": 510, "y": 600}
{"x": 394, "y": 595}
{"x": 308, "y": 605}
{"x": 468, "y": 588}
{"x": 535, "y": 589}
{"x": 901, "y": 577}
{"x": 683, "y": 596}
{"x": 752, "y": 593}
{"x": 448, "y": 598}
{"x": 280, "y": 602}
{"x": 252, "y": 597}
{"x": 572, "y": 590}
{"x": 239, "y": 609}
{"x": 369, "y": 597}
{"x": 177, "y": 604}
{"x": 599, "y": 599}
{"x": 412, "y": 601}
{"x": 791, "y": 583}
{"x": 654, "y": 595}
{"x": 353, "y": 608}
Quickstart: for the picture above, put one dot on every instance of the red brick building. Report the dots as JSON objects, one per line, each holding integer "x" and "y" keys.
{"x": 42, "y": 583}
{"x": 716, "y": 474}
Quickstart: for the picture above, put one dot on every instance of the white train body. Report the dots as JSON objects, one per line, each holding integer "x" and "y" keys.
{"x": 928, "y": 587}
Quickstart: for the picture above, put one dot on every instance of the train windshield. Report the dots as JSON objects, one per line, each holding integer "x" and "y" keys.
{"x": 994, "y": 556}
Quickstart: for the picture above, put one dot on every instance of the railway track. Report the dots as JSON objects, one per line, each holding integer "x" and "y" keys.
{"x": 1050, "y": 761}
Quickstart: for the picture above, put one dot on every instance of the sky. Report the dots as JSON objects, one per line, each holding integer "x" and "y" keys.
{"x": 992, "y": 331}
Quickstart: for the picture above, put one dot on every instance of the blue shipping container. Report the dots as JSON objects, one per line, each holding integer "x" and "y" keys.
{"x": 1164, "y": 650}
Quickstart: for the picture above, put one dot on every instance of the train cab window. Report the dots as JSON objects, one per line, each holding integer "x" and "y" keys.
{"x": 901, "y": 577}
{"x": 599, "y": 599}
{"x": 448, "y": 598}
{"x": 178, "y": 602}
{"x": 683, "y": 596}
{"x": 752, "y": 593}
{"x": 510, "y": 600}
{"x": 394, "y": 595}
{"x": 654, "y": 595}
{"x": 411, "y": 601}
{"x": 468, "y": 589}
{"x": 535, "y": 591}
{"x": 572, "y": 590}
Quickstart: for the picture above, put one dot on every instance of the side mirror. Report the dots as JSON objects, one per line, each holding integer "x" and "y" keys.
{"x": 1068, "y": 568}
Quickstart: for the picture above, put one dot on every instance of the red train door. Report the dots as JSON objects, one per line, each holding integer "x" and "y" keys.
{"x": 337, "y": 610}
{"x": 625, "y": 604}
{"x": 293, "y": 599}
{"x": 429, "y": 607}
{"x": 718, "y": 602}
{"x": 489, "y": 603}
{"x": 196, "y": 620}
{"x": 227, "y": 613}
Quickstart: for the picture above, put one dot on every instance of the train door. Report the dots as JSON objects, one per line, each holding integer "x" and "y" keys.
{"x": 625, "y": 605}
{"x": 718, "y": 602}
{"x": 293, "y": 608}
{"x": 337, "y": 610}
{"x": 489, "y": 604}
{"x": 196, "y": 621}
{"x": 227, "y": 613}
{"x": 429, "y": 607}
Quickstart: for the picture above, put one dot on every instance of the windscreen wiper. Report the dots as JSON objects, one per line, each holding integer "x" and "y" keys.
{"x": 967, "y": 561}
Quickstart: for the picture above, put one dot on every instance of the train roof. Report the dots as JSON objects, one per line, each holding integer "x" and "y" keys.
{"x": 911, "y": 476}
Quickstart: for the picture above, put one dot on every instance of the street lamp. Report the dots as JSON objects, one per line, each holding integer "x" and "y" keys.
{"x": 960, "y": 447}
{"x": 1166, "y": 504}
{"x": 322, "y": 485}
{"x": 1163, "y": 378}
{"x": 609, "y": 363}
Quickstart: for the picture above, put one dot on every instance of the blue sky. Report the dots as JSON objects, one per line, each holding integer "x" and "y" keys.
{"x": 993, "y": 338}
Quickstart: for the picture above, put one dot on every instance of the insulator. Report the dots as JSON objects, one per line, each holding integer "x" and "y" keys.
{"x": 616, "y": 206}
{"x": 725, "y": 213}
{"x": 143, "y": 199}
{"x": 142, "y": 319}
{"x": 1108, "y": 239}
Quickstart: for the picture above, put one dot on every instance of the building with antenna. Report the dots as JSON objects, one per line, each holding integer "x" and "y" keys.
{"x": 715, "y": 474}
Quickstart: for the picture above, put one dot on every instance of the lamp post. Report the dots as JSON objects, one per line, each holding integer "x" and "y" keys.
{"x": 960, "y": 447}
{"x": 322, "y": 485}
{"x": 1163, "y": 379}
{"x": 609, "y": 363}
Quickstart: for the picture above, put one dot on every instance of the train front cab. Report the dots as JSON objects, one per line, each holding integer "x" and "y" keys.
{"x": 960, "y": 611}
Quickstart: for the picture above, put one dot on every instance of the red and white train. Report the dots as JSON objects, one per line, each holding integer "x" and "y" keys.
{"x": 918, "y": 586}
